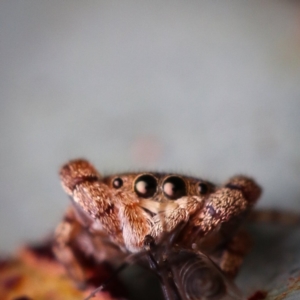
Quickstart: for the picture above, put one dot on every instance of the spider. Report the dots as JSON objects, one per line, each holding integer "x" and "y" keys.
{"x": 187, "y": 230}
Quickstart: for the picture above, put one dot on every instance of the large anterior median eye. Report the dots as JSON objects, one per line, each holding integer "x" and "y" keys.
{"x": 174, "y": 187}
{"x": 145, "y": 186}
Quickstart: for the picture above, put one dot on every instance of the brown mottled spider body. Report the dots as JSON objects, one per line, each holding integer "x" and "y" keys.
{"x": 111, "y": 216}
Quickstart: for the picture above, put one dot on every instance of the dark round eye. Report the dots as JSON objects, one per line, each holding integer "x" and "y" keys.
{"x": 145, "y": 186}
{"x": 174, "y": 188}
{"x": 117, "y": 183}
{"x": 202, "y": 188}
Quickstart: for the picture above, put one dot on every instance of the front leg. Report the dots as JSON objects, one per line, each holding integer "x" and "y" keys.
{"x": 232, "y": 201}
{"x": 92, "y": 198}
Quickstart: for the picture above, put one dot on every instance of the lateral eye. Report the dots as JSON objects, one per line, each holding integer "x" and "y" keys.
{"x": 174, "y": 188}
{"x": 117, "y": 183}
{"x": 145, "y": 186}
{"x": 202, "y": 188}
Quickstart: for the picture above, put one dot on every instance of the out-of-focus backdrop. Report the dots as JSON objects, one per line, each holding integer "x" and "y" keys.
{"x": 205, "y": 88}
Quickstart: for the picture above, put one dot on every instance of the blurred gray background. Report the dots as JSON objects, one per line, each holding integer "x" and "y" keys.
{"x": 207, "y": 88}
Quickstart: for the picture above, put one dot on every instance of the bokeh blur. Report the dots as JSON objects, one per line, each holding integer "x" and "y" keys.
{"x": 207, "y": 88}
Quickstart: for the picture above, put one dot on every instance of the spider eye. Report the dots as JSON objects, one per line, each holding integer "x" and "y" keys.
{"x": 174, "y": 188}
{"x": 145, "y": 186}
{"x": 117, "y": 183}
{"x": 202, "y": 188}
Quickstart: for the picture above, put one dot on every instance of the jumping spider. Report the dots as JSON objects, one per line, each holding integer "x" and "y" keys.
{"x": 185, "y": 226}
